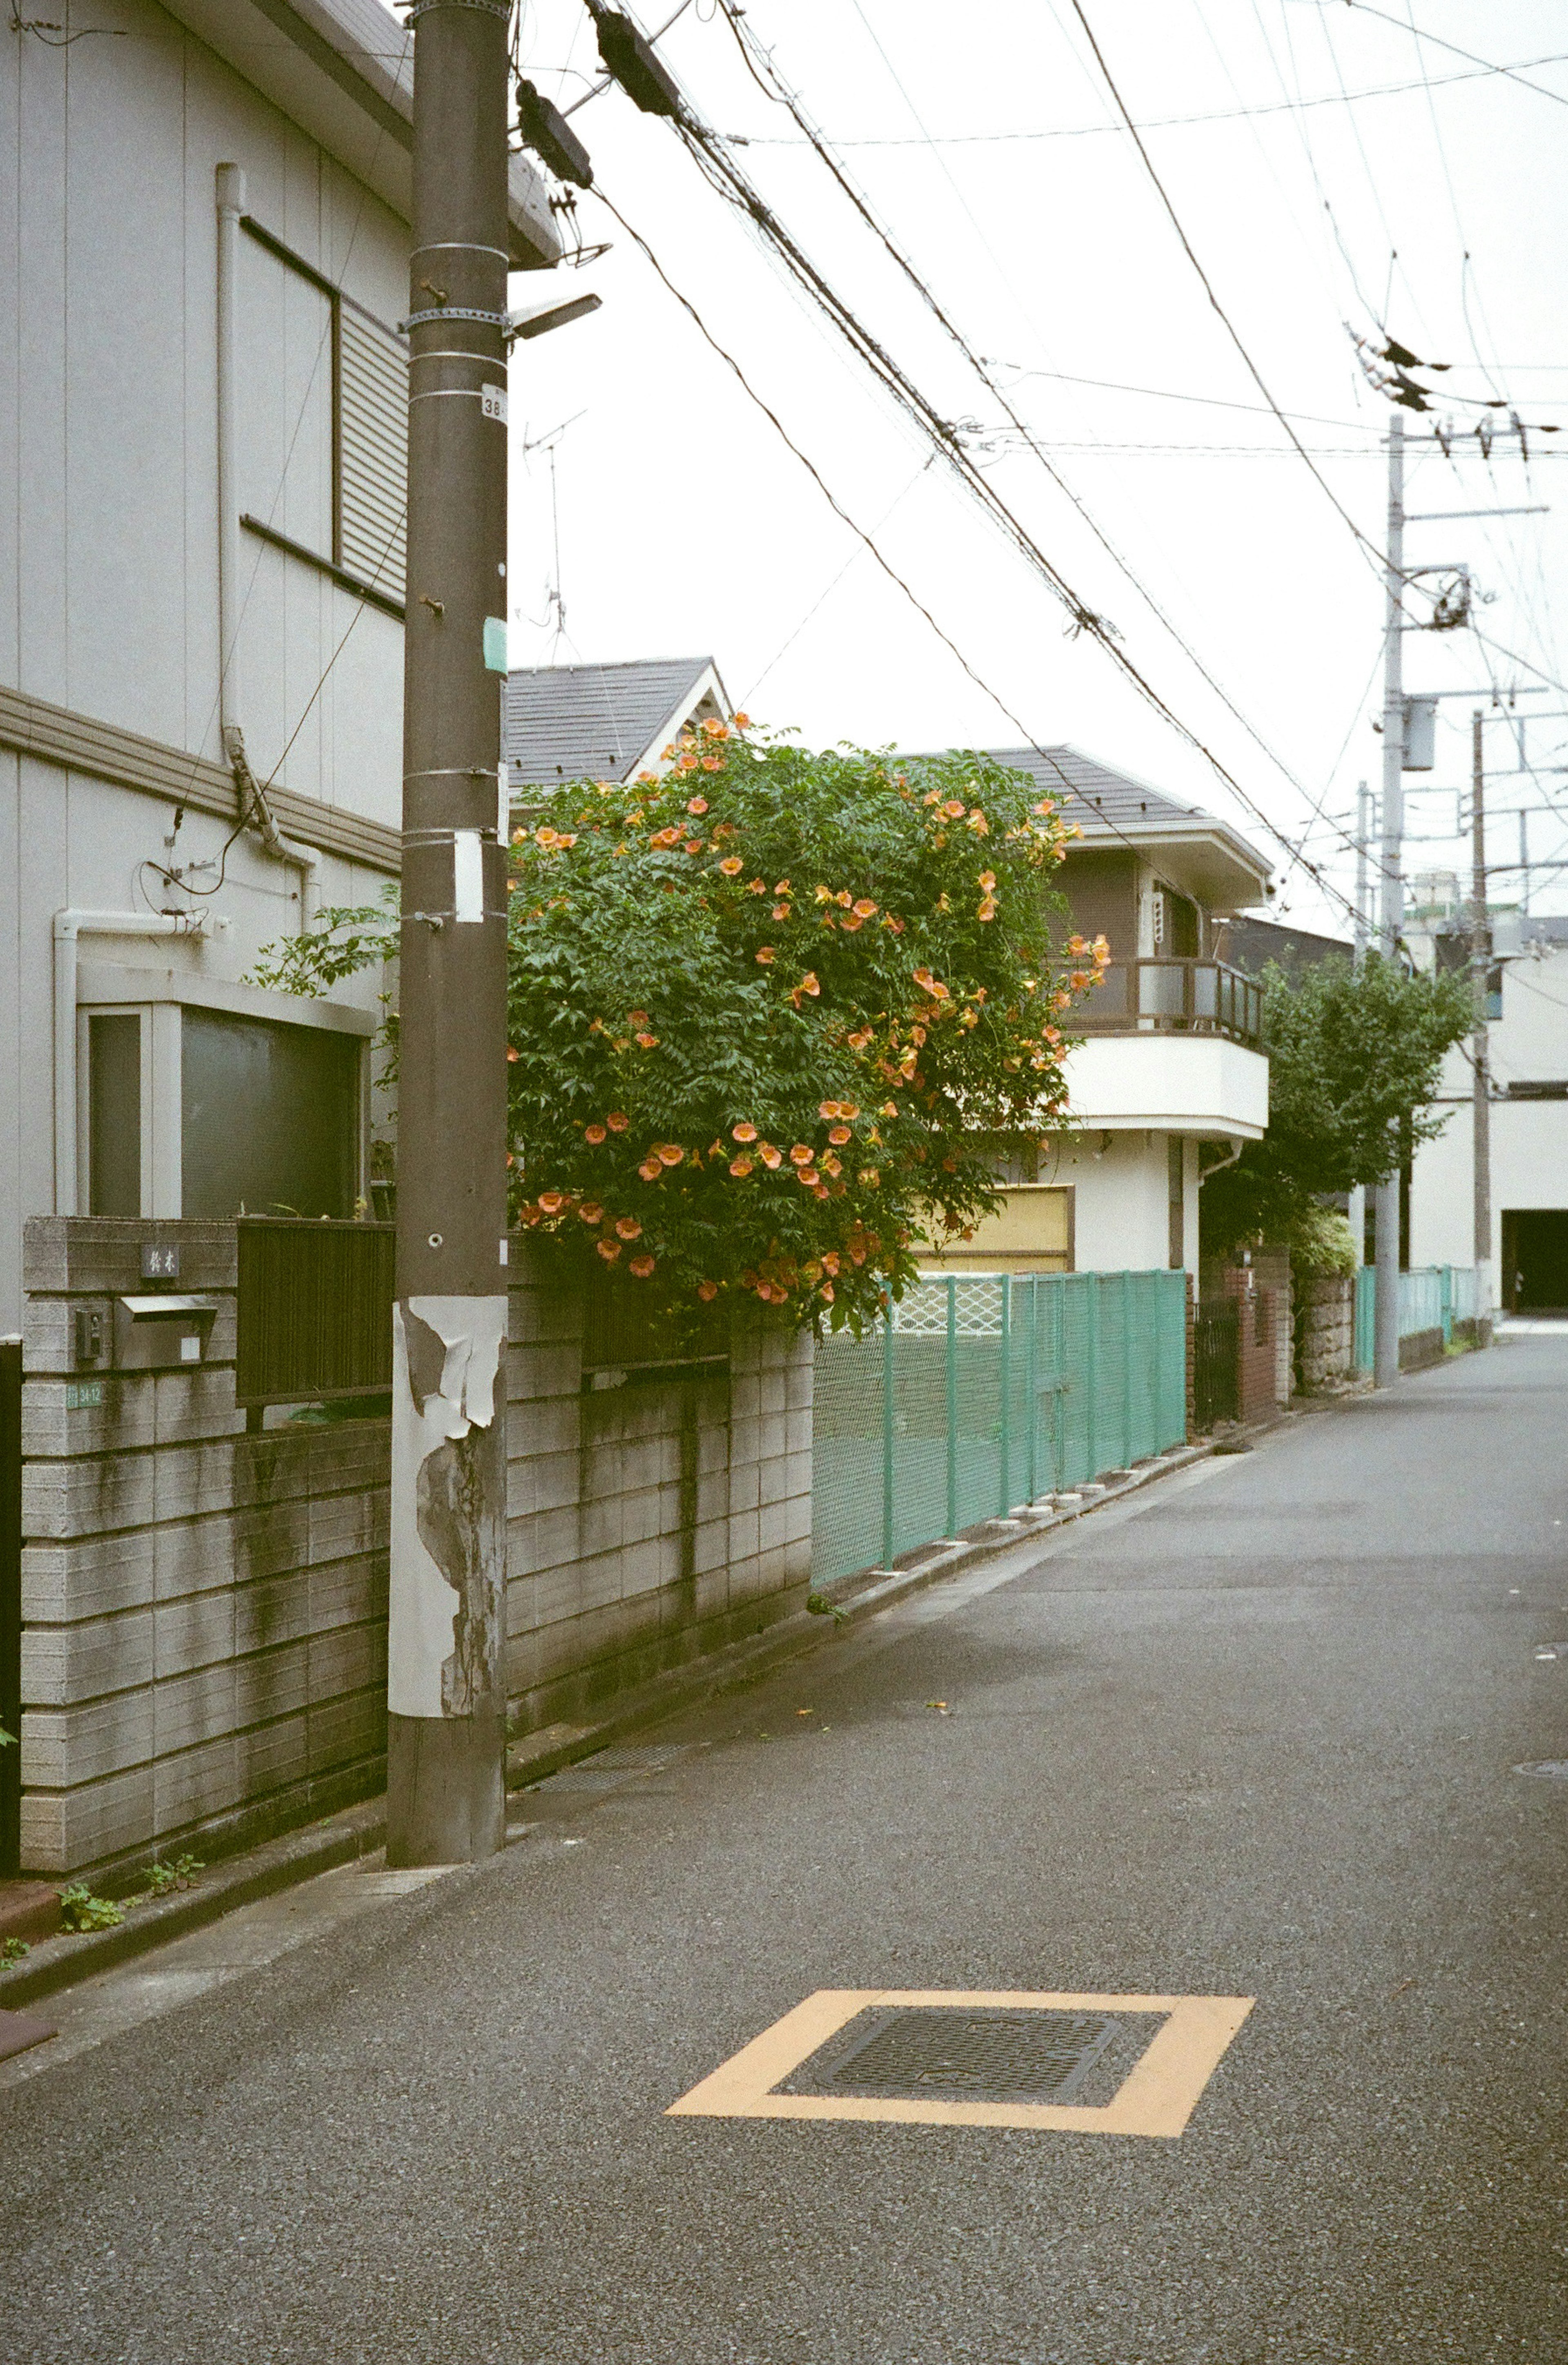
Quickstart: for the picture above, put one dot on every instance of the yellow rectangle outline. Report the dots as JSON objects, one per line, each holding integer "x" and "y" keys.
{"x": 1157, "y": 2096}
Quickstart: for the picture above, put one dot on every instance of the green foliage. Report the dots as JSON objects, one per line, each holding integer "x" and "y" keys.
{"x": 772, "y": 1013}
{"x": 1353, "y": 1062}
{"x": 13, "y": 1950}
{"x": 342, "y": 939}
{"x": 162, "y": 1879}
{"x": 79, "y": 1909}
{"x": 8, "y": 1740}
{"x": 1320, "y": 1241}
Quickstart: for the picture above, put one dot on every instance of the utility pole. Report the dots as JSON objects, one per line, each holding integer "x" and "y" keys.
{"x": 1364, "y": 837}
{"x": 446, "y": 1797}
{"x": 1480, "y": 1080}
{"x": 1385, "y": 1351}
{"x": 1356, "y": 1214}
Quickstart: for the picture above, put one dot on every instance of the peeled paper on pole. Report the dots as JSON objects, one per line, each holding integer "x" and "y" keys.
{"x": 448, "y": 1570}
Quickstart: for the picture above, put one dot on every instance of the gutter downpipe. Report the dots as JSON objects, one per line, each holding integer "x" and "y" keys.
{"x": 69, "y": 927}
{"x": 254, "y": 808}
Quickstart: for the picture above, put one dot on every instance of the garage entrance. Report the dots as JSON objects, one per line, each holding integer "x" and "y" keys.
{"x": 1535, "y": 1259}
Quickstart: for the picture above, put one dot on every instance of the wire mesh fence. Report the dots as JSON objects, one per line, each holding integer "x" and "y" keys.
{"x": 1431, "y": 1298}
{"x": 985, "y": 1392}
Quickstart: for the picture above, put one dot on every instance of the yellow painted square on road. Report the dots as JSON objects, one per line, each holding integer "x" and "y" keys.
{"x": 1157, "y": 2096}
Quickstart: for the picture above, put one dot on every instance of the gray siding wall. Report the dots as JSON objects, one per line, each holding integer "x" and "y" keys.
{"x": 204, "y": 1638}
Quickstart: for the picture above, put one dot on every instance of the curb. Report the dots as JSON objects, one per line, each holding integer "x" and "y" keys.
{"x": 300, "y": 1855}
{"x": 280, "y": 1864}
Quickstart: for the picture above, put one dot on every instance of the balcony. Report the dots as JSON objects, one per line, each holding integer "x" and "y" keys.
{"x": 1172, "y": 997}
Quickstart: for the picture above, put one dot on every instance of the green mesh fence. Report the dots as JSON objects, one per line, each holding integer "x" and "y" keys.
{"x": 984, "y": 1393}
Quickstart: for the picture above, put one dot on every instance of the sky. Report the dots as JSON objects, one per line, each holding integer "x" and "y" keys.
{"x": 1331, "y": 168}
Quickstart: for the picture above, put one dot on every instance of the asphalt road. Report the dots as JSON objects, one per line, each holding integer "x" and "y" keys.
{"x": 1251, "y": 1734}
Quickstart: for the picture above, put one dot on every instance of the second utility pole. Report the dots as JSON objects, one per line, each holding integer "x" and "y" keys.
{"x": 1481, "y": 1079}
{"x": 445, "y": 1692}
{"x": 1391, "y": 914}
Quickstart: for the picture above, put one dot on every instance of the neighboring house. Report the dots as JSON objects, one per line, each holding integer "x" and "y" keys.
{"x": 1527, "y": 1050}
{"x": 602, "y": 722}
{"x": 1252, "y": 944}
{"x": 1171, "y": 1078}
{"x": 205, "y": 255}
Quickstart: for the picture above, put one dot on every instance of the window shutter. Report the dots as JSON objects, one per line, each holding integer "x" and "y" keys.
{"x": 372, "y": 451}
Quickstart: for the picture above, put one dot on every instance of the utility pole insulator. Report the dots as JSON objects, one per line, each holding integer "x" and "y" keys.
{"x": 446, "y": 1699}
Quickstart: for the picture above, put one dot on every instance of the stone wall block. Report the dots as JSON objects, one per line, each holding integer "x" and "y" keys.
{"x": 62, "y": 1748}
{"x": 90, "y": 1576}
{"x": 85, "y": 1499}
{"x": 64, "y": 1664}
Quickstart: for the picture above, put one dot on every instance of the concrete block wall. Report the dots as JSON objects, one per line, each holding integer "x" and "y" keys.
{"x": 204, "y": 1637}
{"x": 651, "y": 1520}
{"x": 204, "y": 1610}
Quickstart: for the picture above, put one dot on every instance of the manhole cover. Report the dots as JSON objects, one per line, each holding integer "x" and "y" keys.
{"x": 978, "y": 2055}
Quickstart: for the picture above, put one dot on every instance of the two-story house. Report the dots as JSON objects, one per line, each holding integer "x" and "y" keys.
{"x": 203, "y": 256}
{"x": 1170, "y": 1079}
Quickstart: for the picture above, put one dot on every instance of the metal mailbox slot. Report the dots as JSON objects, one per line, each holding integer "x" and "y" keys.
{"x": 161, "y": 1333}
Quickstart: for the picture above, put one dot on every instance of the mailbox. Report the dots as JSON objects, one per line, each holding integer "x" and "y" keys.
{"x": 161, "y": 1333}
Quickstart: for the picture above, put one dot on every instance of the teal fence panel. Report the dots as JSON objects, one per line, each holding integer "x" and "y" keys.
{"x": 1366, "y": 1317}
{"x": 983, "y": 1392}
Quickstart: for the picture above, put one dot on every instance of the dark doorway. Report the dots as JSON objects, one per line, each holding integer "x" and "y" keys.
{"x": 1535, "y": 1259}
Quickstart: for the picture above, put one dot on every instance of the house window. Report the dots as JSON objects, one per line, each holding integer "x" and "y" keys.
{"x": 1175, "y": 925}
{"x": 324, "y": 422}
{"x": 114, "y": 1114}
{"x": 269, "y": 1118}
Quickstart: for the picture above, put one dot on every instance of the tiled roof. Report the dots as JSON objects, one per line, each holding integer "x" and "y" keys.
{"x": 594, "y": 721}
{"x": 1104, "y": 802}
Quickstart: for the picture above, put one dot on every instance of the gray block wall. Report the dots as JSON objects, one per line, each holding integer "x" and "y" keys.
{"x": 204, "y": 1610}
{"x": 204, "y": 1640}
{"x": 651, "y": 1520}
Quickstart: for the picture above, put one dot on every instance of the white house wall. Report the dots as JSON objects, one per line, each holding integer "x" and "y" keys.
{"x": 107, "y": 265}
{"x": 1529, "y": 1138}
{"x": 1121, "y": 1200}
{"x": 109, "y": 516}
{"x": 1197, "y": 1084}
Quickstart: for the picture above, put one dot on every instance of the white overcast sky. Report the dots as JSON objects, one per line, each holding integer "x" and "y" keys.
{"x": 986, "y": 137}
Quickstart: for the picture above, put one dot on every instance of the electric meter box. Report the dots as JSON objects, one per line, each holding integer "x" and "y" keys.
{"x": 161, "y": 1333}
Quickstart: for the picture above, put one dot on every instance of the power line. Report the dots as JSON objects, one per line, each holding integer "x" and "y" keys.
{"x": 756, "y": 57}
{"x": 1363, "y": 541}
{"x": 888, "y": 568}
{"x": 1510, "y": 73}
{"x": 1340, "y": 97}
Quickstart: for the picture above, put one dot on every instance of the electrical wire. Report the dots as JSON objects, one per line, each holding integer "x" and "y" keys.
{"x": 1156, "y": 122}
{"x": 1326, "y": 885}
{"x": 1363, "y": 540}
{"x": 759, "y": 61}
{"x": 1510, "y": 73}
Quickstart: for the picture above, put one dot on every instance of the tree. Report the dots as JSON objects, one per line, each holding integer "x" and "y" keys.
{"x": 773, "y": 1014}
{"x": 1353, "y": 1061}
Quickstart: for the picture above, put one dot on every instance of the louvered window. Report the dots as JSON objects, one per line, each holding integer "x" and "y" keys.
{"x": 373, "y": 451}
{"x": 324, "y": 445}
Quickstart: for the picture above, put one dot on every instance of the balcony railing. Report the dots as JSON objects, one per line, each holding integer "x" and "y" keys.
{"x": 1172, "y": 997}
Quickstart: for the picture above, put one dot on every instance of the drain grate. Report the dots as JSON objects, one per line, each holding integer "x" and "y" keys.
{"x": 981, "y": 2055}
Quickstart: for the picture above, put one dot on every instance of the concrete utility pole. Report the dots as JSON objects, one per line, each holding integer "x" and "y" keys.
{"x": 1481, "y": 1081}
{"x": 1385, "y": 1351}
{"x": 1356, "y": 1214}
{"x": 446, "y": 1797}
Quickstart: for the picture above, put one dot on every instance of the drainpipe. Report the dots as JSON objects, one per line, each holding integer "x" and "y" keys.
{"x": 69, "y": 926}
{"x": 253, "y": 806}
